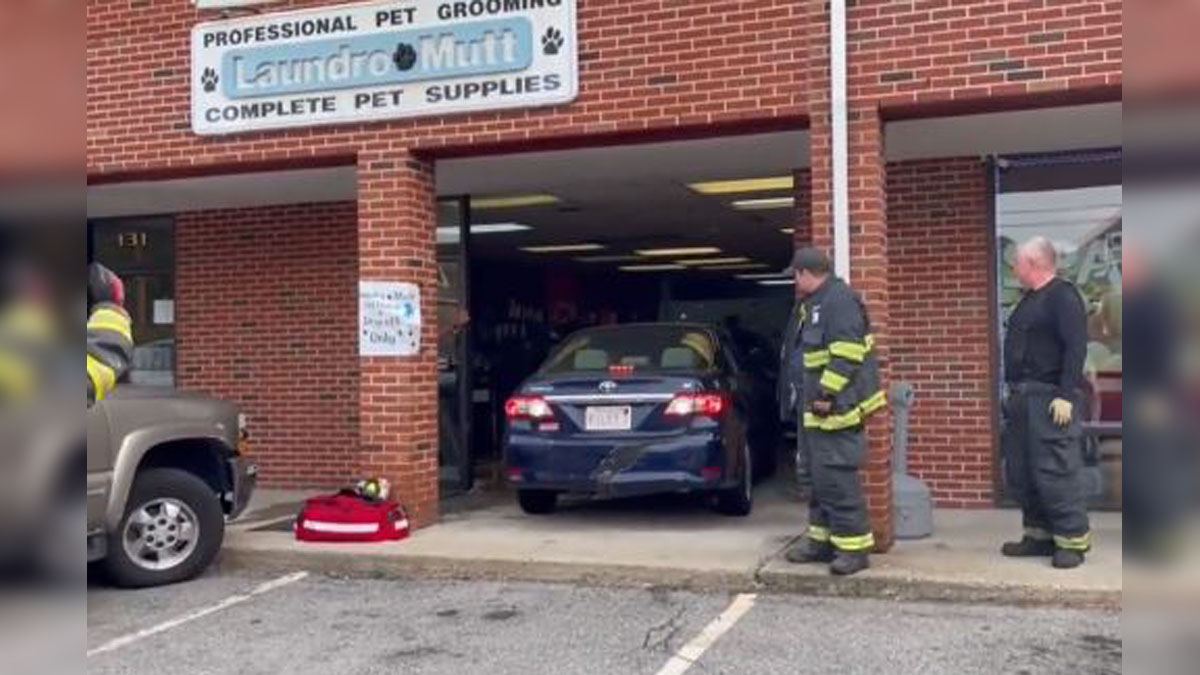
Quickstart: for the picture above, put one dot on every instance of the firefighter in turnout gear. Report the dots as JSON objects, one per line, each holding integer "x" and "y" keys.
{"x": 109, "y": 333}
{"x": 1045, "y": 345}
{"x": 833, "y": 384}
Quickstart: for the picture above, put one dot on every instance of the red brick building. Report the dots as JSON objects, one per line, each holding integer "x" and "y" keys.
{"x": 940, "y": 94}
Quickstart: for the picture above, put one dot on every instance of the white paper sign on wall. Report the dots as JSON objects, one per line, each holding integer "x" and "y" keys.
{"x": 379, "y": 61}
{"x": 389, "y": 318}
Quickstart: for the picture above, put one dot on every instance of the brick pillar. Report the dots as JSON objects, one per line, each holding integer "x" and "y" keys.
{"x": 868, "y": 238}
{"x": 398, "y": 398}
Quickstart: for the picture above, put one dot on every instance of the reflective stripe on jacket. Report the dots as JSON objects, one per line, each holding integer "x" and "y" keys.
{"x": 109, "y": 349}
{"x": 833, "y": 355}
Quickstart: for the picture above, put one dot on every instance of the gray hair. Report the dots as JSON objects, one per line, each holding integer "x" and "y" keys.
{"x": 1040, "y": 251}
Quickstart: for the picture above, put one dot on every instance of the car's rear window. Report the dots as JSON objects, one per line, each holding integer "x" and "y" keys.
{"x": 641, "y": 348}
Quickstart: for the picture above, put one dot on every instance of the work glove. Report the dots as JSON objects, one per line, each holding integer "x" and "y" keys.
{"x": 104, "y": 286}
{"x": 1061, "y": 410}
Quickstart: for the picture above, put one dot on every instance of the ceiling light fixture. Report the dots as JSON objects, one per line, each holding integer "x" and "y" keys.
{"x": 608, "y": 259}
{"x": 730, "y": 268}
{"x": 727, "y": 187}
{"x": 564, "y": 248}
{"x": 513, "y": 201}
{"x": 788, "y": 230}
{"x": 764, "y": 204}
{"x": 452, "y": 235}
{"x": 713, "y": 261}
{"x": 678, "y": 252}
{"x": 759, "y": 277}
{"x": 652, "y": 268}
{"x": 777, "y": 282}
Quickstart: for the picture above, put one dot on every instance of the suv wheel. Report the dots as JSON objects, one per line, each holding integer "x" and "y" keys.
{"x": 537, "y": 502}
{"x": 171, "y": 531}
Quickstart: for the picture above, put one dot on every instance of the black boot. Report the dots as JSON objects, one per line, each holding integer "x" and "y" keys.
{"x": 1028, "y": 547}
{"x": 1067, "y": 558}
{"x": 845, "y": 563}
{"x": 809, "y": 551}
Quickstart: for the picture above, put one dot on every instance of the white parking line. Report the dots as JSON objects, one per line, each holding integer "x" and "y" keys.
{"x": 232, "y": 600}
{"x": 690, "y": 653}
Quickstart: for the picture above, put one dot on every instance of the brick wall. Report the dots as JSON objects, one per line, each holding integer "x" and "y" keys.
{"x": 651, "y": 64}
{"x": 940, "y": 272}
{"x": 921, "y": 51}
{"x": 267, "y": 316}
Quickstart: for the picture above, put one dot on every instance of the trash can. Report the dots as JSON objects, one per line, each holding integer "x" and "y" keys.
{"x": 912, "y": 498}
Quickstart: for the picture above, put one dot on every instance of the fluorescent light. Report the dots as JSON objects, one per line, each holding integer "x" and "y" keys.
{"x": 788, "y": 230}
{"x": 678, "y": 252}
{"x": 726, "y": 268}
{"x": 513, "y": 201}
{"x": 726, "y": 187}
{"x": 764, "y": 204}
{"x": 608, "y": 259}
{"x": 652, "y": 268}
{"x": 452, "y": 235}
{"x": 777, "y": 282}
{"x": 564, "y": 248}
{"x": 714, "y": 261}
{"x": 756, "y": 277}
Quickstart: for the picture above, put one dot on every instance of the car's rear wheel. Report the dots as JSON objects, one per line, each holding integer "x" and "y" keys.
{"x": 538, "y": 502}
{"x": 739, "y": 501}
{"x": 172, "y": 529}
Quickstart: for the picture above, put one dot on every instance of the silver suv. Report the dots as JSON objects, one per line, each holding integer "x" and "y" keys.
{"x": 165, "y": 470}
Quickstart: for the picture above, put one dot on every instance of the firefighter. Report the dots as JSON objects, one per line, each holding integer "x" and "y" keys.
{"x": 109, "y": 333}
{"x": 833, "y": 383}
{"x": 1045, "y": 346}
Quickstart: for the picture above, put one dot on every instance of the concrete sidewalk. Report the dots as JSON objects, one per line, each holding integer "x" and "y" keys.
{"x": 677, "y": 543}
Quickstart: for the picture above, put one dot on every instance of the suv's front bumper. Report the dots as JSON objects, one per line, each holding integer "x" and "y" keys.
{"x": 244, "y": 476}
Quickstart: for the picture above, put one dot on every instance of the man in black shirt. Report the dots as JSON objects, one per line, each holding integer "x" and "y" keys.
{"x": 1044, "y": 350}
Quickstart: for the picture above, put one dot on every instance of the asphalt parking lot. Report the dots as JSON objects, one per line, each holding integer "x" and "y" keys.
{"x": 304, "y": 624}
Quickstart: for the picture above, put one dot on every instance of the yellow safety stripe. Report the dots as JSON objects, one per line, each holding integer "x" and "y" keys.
{"x": 834, "y": 381}
{"x": 1080, "y": 543}
{"x": 874, "y": 403}
{"x": 104, "y": 378}
{"x": 1037, "y": 533}
{"x": 851, "y": 351}
{"x": 817, "y": 359}
{"x": 833, "y": 422}
{"x": 854, "y": 417}
{"x": 818, "y": 533}
{"x": 111, "y": 320}
{"x": 863, "y": 542}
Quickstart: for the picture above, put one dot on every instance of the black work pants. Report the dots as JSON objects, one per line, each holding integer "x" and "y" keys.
{"x": 1044, "y": 467}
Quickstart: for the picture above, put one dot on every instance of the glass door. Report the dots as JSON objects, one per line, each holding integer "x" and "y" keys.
{"x": 454, "y": 348}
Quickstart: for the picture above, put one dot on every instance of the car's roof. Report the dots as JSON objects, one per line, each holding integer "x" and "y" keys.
{"x": 679, "y": 325}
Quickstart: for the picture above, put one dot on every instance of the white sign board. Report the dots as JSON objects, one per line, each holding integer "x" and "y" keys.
{"x": 389, "y": 318}
{"x": 380, "y": 61}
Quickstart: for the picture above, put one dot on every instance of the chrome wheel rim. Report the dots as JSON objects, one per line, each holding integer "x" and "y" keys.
{"x": 161, "y": 534}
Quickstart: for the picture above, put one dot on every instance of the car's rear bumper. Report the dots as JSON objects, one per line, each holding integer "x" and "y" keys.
{"x": 244, "y": 474}
{"x": 619, "y": 468}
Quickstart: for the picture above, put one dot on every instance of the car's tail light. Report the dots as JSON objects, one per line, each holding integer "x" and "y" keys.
{"x": 528, "y": 408}
{"x": 620, "y": 371}
{"x": 703, "y": 405}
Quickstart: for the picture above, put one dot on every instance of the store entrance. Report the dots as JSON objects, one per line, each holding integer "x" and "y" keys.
{"x": 696, "y": 231}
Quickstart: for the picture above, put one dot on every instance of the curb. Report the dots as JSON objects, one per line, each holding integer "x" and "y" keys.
{"x": 763, "y": 580}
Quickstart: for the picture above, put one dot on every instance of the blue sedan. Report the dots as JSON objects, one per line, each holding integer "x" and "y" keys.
{"x": 638, "y": 410}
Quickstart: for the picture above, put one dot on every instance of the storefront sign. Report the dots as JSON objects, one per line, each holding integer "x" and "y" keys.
{"x": 360, "y": 63}
{"x": 389, "y": 318}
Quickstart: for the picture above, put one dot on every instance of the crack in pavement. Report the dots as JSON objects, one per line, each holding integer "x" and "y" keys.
{"x": 669, "y": 629}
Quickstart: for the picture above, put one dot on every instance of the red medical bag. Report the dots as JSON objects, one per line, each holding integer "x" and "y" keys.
{"x": 347, "y": 517}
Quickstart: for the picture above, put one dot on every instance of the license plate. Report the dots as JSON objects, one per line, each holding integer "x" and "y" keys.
{"x": 610, "y": 418}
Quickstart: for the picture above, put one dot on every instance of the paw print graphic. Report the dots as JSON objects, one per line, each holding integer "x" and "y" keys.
{"x": 209, "y": 79}
{"x": 552, "y": 41}
{"x": 405, "y": 57}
